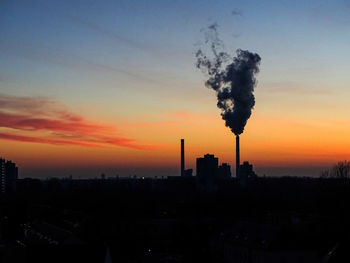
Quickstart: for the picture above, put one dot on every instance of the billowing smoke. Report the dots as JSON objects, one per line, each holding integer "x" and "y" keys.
{"x": 233, "y": 79}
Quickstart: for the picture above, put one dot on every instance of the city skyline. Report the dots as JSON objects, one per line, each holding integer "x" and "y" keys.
{"x": 92, "y": 87}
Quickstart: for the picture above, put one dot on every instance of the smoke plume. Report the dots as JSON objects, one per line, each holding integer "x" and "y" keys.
{"x": 233, "y": 79}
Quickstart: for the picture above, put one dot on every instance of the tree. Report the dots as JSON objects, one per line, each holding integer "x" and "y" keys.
{"x": 340, "y": 170}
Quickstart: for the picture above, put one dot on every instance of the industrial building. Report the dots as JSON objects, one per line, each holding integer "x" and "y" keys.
{"x": 208, "y": 172}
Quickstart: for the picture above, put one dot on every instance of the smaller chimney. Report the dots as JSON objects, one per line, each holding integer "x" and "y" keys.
{"x": 182, "y": 157}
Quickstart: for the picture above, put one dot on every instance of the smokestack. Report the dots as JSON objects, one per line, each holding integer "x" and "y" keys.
{"x": 237, "y": 156}
{"x": 182, "y": 157}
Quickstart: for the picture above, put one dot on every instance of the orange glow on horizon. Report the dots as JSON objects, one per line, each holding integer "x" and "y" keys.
{"x": 268, "y": 141}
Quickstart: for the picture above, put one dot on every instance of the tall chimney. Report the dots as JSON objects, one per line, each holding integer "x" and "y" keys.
{"x": 237, "y": 156}
{"x": 182, "y": 157}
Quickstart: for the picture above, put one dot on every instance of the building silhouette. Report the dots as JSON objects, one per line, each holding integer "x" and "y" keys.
{"x": 224, "y": 171}
{"x": 188, "y": 173}
{"x": 8, "y": 176}
{"x": 245, "y": 172}
{"x": 207, "y": 167}
{"x": 207, "y": 171}
{"x": 103, "y": 176}
{"x": 2, "y": 175}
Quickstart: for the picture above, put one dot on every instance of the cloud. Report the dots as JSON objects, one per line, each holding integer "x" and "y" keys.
{"x": 24, "y": 138}
{"x": 39, "y": 115}
{"x": 103, "y": 31}
{"x": 67, "y": 59}
{"x": 90, "y": 24}
{"x": 58, "y": 123}
{"x": 236, "y": 12}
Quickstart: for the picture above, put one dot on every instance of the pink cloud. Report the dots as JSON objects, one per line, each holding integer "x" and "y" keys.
{"x": 33, "y": 123}
{"x": 23, "y": 138}
{"x": 34, "y": 114}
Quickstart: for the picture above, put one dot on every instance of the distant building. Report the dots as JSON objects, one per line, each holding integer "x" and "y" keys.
{"x": 11, "y": 171}
{"x": 245, "y": 172}
{"x": 207, "y": 167}
{"x": 2, "y": 175}
{"x": 188, "y": 172}
{"x": 224, "y": 171}
{"x": 8, "y": 176}
{"x": 206, "y": 172}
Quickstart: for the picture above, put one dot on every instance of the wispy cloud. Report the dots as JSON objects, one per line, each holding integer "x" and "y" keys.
{"x": 88, "y": 23}
{"x": 108, "y": 33}
{"x": 28, "y": 117}
{"x": 33, "y": 139}
{"x": 236, "y": 12}
{"x": 66, "y": 59}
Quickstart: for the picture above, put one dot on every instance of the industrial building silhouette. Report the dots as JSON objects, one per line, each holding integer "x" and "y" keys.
{"x": 209, "y": 172}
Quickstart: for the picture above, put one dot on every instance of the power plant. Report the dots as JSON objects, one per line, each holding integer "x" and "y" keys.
{"x": 207, "y": 167}
{"x": 208, "y": 170}
{"x": 233, "y": 79}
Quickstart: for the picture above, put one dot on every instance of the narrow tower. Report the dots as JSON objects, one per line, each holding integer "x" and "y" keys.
{"x": 182, "y": 157}
{"x": 237, "y": 156}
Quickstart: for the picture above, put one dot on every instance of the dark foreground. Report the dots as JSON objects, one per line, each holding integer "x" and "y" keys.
{"x": 175, "y": 220}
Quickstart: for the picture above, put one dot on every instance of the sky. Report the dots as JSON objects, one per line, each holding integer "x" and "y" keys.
{"x": 90, "y": 87}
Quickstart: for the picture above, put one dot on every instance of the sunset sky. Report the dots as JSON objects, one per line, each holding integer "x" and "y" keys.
{"x": 111, "y": 86}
